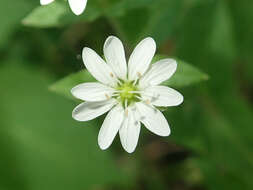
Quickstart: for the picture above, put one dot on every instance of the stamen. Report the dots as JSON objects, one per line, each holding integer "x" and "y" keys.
{"x": 151, "y": 96}
{"x": 118, "y": 91}
{"x": 126, "y": 112}
{"x": 147, "y": 101}
{"x": 139, "y": 76}
{"x": 126, "y": 103}
{"x": 111, "y": 74}
{"x": 107, "y": 96}
{"x": 140, "y": 98}
{"x": 118, "y": 81}
{"x": 135, "y": 81}
{"x": 135, "y": 92}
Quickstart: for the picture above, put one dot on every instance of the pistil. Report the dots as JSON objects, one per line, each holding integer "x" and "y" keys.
{"x": 127, "y": 93}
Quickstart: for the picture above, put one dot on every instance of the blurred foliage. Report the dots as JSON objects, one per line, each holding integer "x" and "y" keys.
{"x": 210, "y": 146}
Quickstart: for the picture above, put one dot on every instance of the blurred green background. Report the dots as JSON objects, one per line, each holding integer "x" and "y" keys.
{"x": 210, "y": 148}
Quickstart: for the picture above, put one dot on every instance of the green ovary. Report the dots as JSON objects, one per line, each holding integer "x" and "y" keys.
{"x": 126, "y": 93}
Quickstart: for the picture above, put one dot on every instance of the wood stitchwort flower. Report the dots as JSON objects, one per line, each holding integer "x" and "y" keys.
{"x": 130, "y": 91}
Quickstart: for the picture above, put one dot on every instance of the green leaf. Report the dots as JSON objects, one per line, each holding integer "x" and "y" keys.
{"x": 185, "y": 75}
{"x": 46, "y": 16}
{"x": 58, "y": 14}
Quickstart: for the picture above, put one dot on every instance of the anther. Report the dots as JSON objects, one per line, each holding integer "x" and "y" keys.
{"x": 107, "y": 96}
{"x": 147, "y": 101}
{"x": 139, "y": 74}
{"x": 111, "y": 74}
{"x": 126, "y": 112}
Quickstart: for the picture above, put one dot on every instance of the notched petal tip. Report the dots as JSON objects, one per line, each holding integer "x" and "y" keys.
{"x": 150, "y": 41}
{"x": 75, "y": 116}
{"x": 102, "y": 147}
{"x": 72, "y": 91}
{"x": 77, "y": 12}
{"x": 172, "y": 61}
{"x": 173, "y": 64}
{"x": 77, "y": 6}
{"x": 88, "y": 52}
{"x": 45, "y": 2}
{"x": 111, "y": 37}
{"x": 109, "y": 40}
{"x": 166, "y": 134}
{"x": 181, "y": 99}
{"x": 149, "y": 38}
{"x": 86, "y": 49}
{"x": 130, "y": 151}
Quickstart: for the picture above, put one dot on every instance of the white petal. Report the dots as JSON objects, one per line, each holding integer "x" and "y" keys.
{"x": 162, "y": 96}
{"x": 153, "y": 119}
{"x": 45, "y": 2}
{"x": 77, "y": 6}
{"x": 89, "y": 110}
{"x": 141, "y": 58}
{"x": 98, "y": 68}
{"x": 129, "y": 131}
{"x": 159, "y": 72}
{"x": 110, "y": 127}
{"x": 115, "y": 56}
{"x": 92, "y": 92}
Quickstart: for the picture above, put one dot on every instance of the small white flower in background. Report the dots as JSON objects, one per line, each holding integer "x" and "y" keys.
{"x": 130, "y": 91}
{"x": 77, "y": 6}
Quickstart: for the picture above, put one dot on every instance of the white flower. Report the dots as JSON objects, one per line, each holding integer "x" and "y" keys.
{"x": 130, "y": 91}
{"x": 77, "y": 6}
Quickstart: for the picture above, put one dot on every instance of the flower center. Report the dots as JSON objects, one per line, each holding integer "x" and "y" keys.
{"x": 128, "y": 93}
